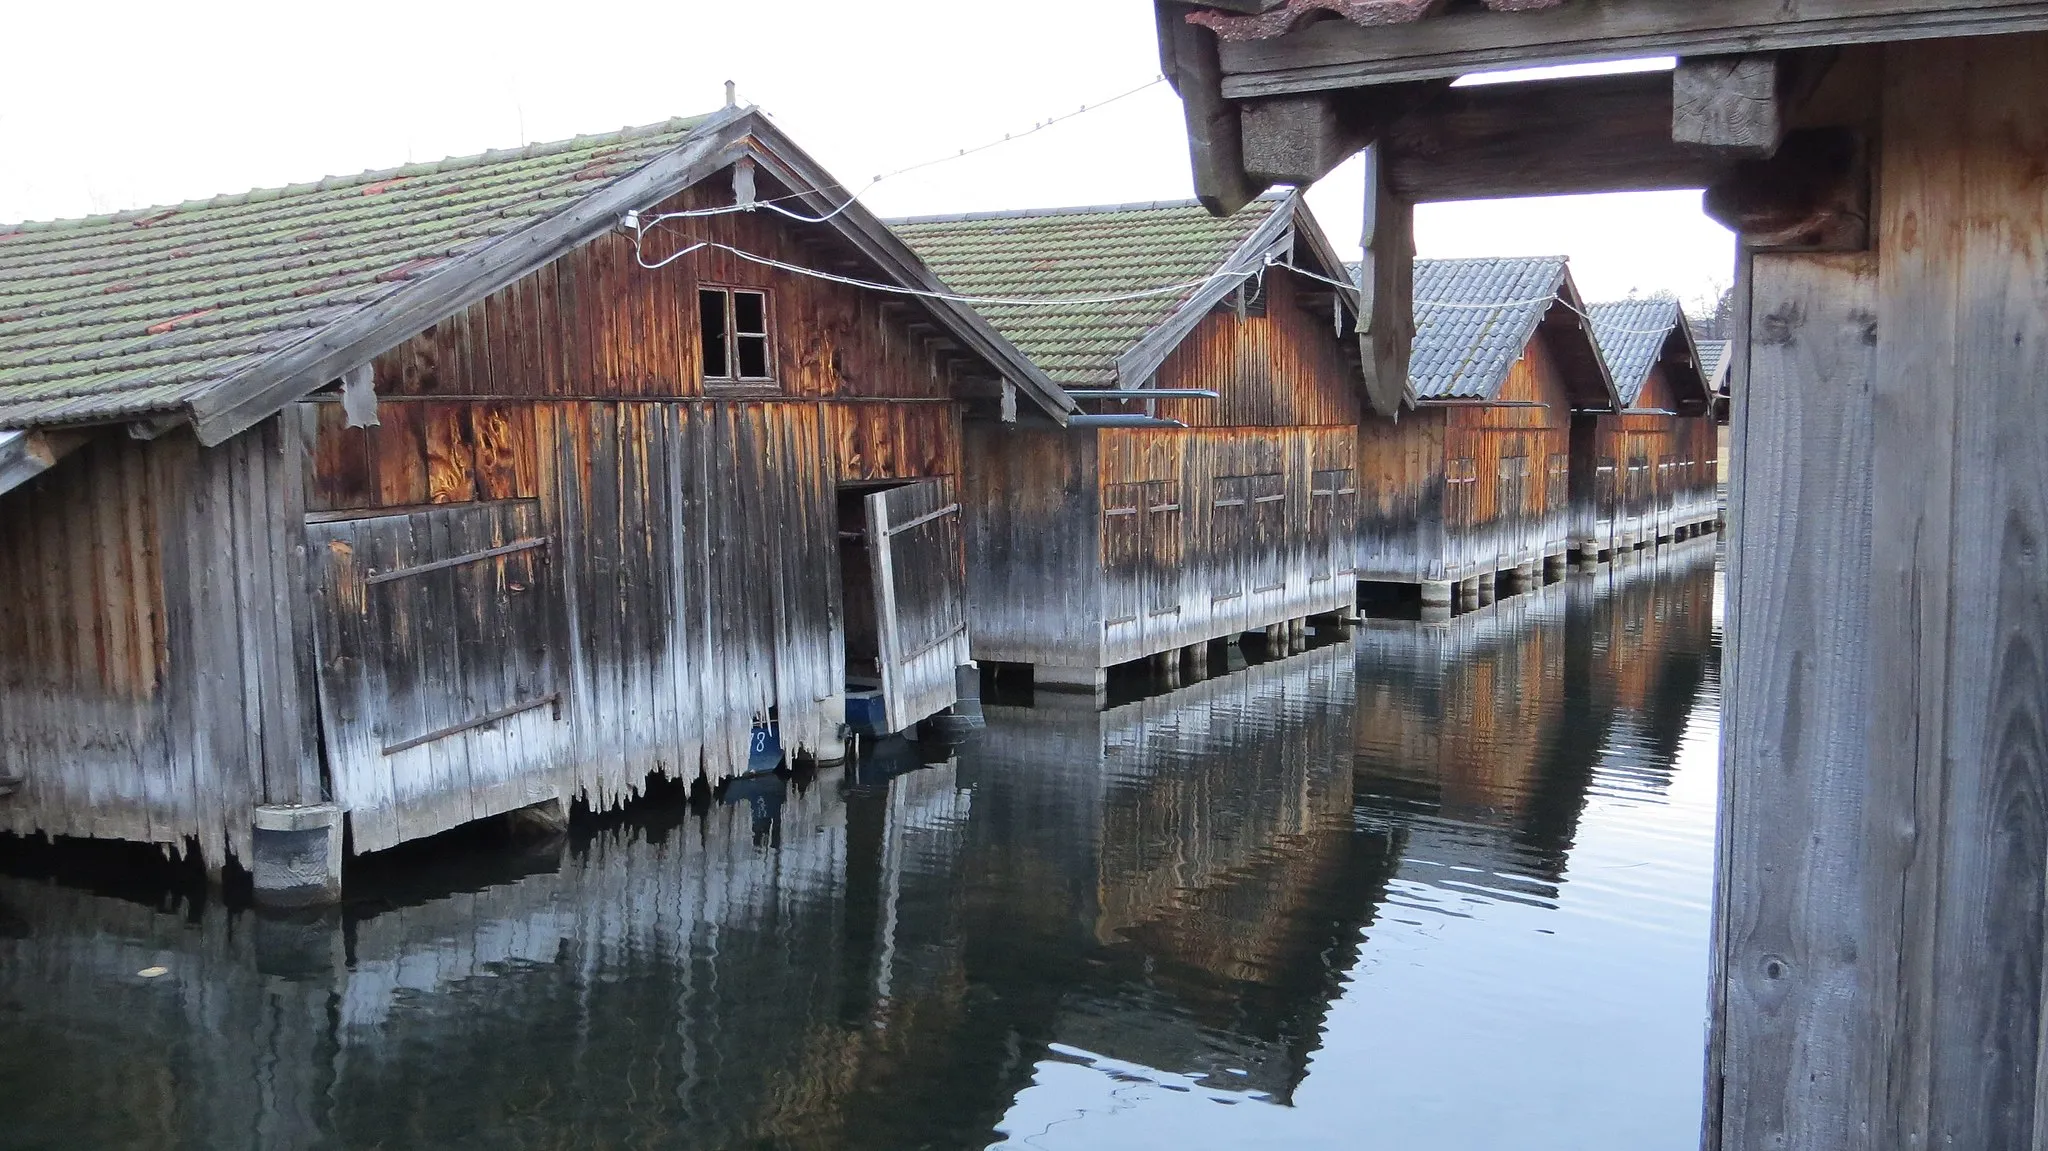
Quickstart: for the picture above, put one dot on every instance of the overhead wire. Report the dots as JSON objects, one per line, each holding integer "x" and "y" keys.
{"x": 774, "y": 204}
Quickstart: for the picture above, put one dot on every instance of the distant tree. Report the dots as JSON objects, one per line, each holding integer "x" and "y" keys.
{"x": 1718, "y": 324}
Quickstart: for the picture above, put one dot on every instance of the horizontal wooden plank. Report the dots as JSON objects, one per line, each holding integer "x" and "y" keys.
{"x": 1337, "y": 54}
{"x": 473, "y": 724}
{"x": 457, "y": 561}
{"x": 948, "y": 510}
{"x": 1563, "y": 137}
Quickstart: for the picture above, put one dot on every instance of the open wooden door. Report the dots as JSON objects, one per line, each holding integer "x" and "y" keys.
{"x": 438, "y": 697}
{"x": 920, "y": 589}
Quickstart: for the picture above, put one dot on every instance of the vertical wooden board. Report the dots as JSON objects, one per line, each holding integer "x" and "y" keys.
{"x": 497, "y": 445}
{"x": 641, "y": 640}
{"x": 1798, "y": 913}
{"x": 398, "y": 453}
{"x": 343, "y": 477}
{"x": 450, "y": 453}
{"x": 604, "y": 623}
{"x": 683, "y": 618}
{"x": 560, "y": 459}
{"x": 1959, "y": 605}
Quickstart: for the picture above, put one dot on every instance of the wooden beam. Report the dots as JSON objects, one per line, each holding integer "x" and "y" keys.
{"x": 1595, "y": 134}
{"x": 1188, "y": 57}
{"x": 1297, "y": 139}
{"x": 1386, "y": 312}
{"x": 1813, "y": 196}
{"x": 26, "y": 455}
{"x": 1335, "y": 54}
{"x": 1729, "y": 102}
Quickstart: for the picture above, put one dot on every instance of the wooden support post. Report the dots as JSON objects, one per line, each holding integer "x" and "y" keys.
{"x": 1188, "y": 57}
{"x": 1386, "y": 288}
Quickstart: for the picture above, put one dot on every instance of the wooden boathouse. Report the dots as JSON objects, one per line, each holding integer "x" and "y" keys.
{"x": 434, "y": 493}
{"x": 1204, "y": 491}
{"x": 1467, "y": 487}
{"x": 1645, "y": 474}
{"x": 1878, "y": 962}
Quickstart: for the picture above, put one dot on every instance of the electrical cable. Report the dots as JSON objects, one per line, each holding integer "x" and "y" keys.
{"x": 774, "y": 204}
{"x": 1224, "y": 273}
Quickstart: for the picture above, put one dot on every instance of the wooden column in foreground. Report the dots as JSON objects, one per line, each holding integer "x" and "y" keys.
{"x": 1880, "y": 943}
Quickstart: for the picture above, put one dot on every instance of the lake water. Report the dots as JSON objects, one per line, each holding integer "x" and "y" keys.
{"x": 1439, "y": 886}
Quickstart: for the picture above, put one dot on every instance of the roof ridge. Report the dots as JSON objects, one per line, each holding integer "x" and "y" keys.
{"x": 1274, "y": 197}
{"x": 368, "y": 176}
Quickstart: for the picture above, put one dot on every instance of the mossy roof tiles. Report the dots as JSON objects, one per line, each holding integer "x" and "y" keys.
{"x": 124, "y": 315}
{"x": 1082, "y": 252}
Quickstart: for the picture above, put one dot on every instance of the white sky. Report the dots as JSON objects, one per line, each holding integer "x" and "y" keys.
{"x": 119, "y": 104}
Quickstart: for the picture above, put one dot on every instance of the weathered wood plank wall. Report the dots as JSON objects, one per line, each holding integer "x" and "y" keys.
{"x": 689, "y": 529}
{"x": 1207, "y": 533}
{"x": 154, "y": 682}
{"x": 1283, "y": 365}
{"x": 1644, "y": 472}
{"x": 1034, "y": 544}
{"x": 1468, "y": 489}
{"x": 1100, "y": 546}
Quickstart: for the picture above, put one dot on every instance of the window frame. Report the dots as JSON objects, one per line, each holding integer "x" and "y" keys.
{"x": 733, "y": 382}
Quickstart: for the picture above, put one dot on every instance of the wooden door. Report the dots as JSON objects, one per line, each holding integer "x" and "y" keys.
{"x": 920, "y": 580}
{"x": 439, "y": 702}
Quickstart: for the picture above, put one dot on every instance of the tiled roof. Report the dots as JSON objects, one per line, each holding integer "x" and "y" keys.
{"x": 1473, "y": 318}
{"x": 1713, "y": 359}
{"x": 140, "y": 312}
{"x": 1082, "y": 252}
{"x": 1289, "y": 14}
{"x": 1632, "y": 334}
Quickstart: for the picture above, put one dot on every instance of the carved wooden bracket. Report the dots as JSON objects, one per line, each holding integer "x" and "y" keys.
{"x": 1813, "y": 196}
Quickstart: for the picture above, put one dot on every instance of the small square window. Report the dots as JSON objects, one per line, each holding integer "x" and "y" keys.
{"x": 734, "y": 325}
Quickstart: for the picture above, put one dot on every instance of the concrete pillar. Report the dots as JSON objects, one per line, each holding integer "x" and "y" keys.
{"x": 1073, "y": 680}
{"x": 1437, "y": 593}
{"x": 965, "y": 715}
{"x": 1468, "y": 592}
{"x": 1553, "y": 567}
{"x": 1194, "y": 660}
{"x": 297, "y": 850}
{"x": 1525, "y": 576}
{"x": 543, "y": 820}
{"x": 1297, "y": 634}
{"x": 1489, "y": 589}
{"x": 1166, "y": 666}
{"x": 1436, "y": 614}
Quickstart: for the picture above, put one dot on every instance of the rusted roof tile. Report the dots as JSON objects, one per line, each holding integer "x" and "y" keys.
{"x": 174, "y": 321}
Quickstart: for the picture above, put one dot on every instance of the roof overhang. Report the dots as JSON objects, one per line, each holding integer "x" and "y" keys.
{"x": 327, "y": 353}
{"x": 1289, "y": 235}
{"x": 1569, "y": 324}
